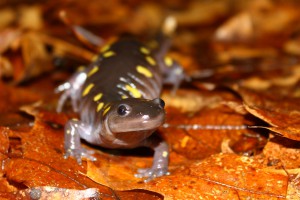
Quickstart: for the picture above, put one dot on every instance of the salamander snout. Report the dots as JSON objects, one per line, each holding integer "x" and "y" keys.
{"x": 159, "y": 102}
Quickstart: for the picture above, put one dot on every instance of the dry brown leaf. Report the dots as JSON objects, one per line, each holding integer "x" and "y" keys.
{"x": 282, "y": 113}
{"x": 258, "y": 51}
{"x": 284, "y": 151}
{"x": 222, "y": 176}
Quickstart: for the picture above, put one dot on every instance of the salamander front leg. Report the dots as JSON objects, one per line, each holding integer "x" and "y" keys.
{"x": 71, "y": 89}
{"x": 160, "y": 159}
{"x": 73, "y": 148}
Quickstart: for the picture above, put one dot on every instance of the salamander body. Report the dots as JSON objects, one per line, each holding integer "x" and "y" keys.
{"x": 117, "y": 97}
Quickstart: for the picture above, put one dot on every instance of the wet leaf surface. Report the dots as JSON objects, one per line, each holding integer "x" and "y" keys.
{"x": 243, "y": 60}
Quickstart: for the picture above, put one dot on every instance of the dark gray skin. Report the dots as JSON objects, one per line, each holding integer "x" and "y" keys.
{"x": 132, "y": 109}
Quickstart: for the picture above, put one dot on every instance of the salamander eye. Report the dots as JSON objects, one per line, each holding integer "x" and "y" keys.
{"x": 122, "y": 110}
{"x": 159, "y": 102}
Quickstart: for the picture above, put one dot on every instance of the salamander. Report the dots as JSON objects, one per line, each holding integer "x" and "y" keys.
{"x": 117, "y": 98}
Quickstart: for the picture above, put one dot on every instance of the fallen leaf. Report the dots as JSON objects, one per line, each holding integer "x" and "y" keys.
{"x": 282, "y": 113}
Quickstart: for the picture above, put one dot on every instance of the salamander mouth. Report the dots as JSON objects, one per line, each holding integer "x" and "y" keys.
{"x": 137, "y": 123}
{"x": 131, "y": 133}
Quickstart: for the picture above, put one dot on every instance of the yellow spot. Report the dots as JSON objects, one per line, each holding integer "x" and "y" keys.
{"x": 150, "y": 60}
{"x": 80, "y": 68}
{"x": 94, "y": 58}
{"x": 143, "y": 70}
{"x": 184, "y": 141}
{"x": 144, "y": 50}
{"x": 108, "y": 54}
{"x": 105, "y": 48}
{"x": 68, "y": 131}
{"x": 74, "y": 119}
{"x": 124, "y": 97}
{"x": 98, "y": 97}
{"x": 168, "y": 61}
{"x": 93, "y": 71}
{"x": 153, "y": 44}
{"x": 165, "y": 154}
{"x": 134, "y": 92}
{"x": 87, "y": 89}
{"x": 106, "y": 110}
{"x": 100, "y": 106}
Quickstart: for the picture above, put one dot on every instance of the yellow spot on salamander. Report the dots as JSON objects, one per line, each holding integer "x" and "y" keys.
{"x": 109, "y": 54}
{"x": 93, "y": 71}
{"x": 105, "y": 48}
{"x": 87, "y": 89}
{"x": 134, "y": 92}
{"x": 150, "y": 60}
{"x": 168, "y": 61}
{"x": 165, "y": 154}
{"x": 106, "y": 110}
{"x": 94, "y": 58}
{"x": 68, "y": 131}
{"x": 124, "y": 97}
{"x": 80, "y": 68}
{"x": 144, "y": 50}
{"x": 143, "y": 70}
{"x": 98, "y": 97}
{"x": 153, "y": 44}
{"x": 100, "y": 106}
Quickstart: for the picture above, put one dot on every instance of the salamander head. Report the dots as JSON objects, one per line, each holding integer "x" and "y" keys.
{"x": 133, "y": 120}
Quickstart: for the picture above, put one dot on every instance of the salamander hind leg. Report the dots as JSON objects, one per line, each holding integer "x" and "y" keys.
{"x": 173, "y": 73}
{"x": 73, "y": 131}
{"x": 160, "y": 160}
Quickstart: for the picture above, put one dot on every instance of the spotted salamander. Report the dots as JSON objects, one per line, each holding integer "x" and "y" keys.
{"x": 117, "y": 97}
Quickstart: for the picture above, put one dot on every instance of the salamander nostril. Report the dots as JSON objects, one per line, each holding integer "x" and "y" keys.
{"x": 160, "y": 102}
